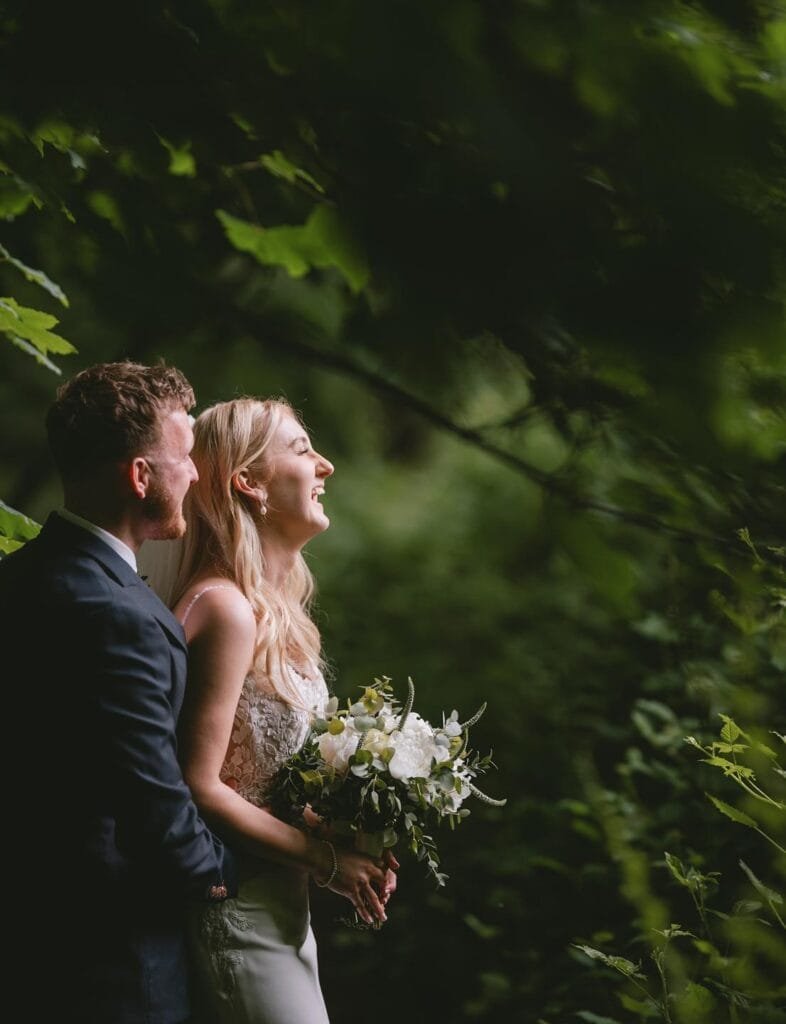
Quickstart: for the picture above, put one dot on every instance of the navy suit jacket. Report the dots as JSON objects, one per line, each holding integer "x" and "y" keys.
{"x": 109, "y": 845}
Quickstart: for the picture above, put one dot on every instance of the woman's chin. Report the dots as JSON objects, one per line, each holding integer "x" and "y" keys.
{"x": 320, "y": 524}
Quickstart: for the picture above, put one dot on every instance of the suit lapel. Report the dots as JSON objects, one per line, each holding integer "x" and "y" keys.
{"x": 61, "y": 535}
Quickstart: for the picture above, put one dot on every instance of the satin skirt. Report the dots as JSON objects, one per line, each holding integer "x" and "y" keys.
{"x": 255, "y": 957}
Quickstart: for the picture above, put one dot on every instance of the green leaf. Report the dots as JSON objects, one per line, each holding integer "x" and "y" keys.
{"x": 15, "y": 197}
{"x": 677, "y": 869}
{"x": 323, "y": 241}
{"x": 593, "y": 1018}
{"x": 482, "y": 930}
{"x": 674, "y": 931}
{"x": 619, "y": 963}
{"x": 705, "y": 947}
{"x": 695, "y": 1003}
{"x": 34, "y": 276}
{"x": 16, "y": 527}
{"x": 279, "y": 166}
{"x": 31, "y": 350}
{"x": 105, "y": 206}
{"x": 181, "y": 162}
{"x": 732, "y": 812}
{"x": 57, "y": 133}
{"x": 638, "y": 1006}
{"x": 769, "y": 894}
{"x": 729, "y": 768}
{"x": 775, "y": 39}
{"x": 33, "y": 326}
{"x": 730, "y": 731}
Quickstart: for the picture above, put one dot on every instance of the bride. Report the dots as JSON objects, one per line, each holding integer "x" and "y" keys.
{"x": 241, "y": 591}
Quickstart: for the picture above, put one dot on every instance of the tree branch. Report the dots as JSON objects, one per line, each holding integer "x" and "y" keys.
{"x": 253, "y": 324}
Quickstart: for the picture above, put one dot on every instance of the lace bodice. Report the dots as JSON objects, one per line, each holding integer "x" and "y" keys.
{"x": 266, "y": 731}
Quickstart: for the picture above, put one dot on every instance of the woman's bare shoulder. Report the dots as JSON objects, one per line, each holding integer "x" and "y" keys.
{"x": 215, "y": 602}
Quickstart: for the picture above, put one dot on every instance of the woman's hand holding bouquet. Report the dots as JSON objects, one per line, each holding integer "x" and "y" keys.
{"x": 377, "y": 775}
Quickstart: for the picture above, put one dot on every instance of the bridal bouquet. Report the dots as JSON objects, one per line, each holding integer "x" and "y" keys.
{"x": 378, "y": 774}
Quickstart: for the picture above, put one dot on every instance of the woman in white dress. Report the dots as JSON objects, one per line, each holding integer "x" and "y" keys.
{"x": 255, "y": 677}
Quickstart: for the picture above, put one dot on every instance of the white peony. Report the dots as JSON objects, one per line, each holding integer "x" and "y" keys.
{"x": 336, "y": 750}
{"x": 415, "y": 749}
{"x": 376, "y": 742}
{"x": 387, "y": 721}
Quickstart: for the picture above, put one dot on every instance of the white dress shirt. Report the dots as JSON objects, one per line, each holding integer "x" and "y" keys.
{"x": 115, "y": 543}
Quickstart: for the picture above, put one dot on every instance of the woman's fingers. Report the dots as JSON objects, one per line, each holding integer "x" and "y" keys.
{"x": 372, "y": 905}
{"x": 389, "y": 887}
{"x": 362, "y": 882}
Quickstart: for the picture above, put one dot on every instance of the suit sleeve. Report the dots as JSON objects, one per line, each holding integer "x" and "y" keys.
{"x": 156, "y": 819}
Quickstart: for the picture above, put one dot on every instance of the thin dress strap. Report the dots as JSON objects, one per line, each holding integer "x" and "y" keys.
{"x": 199, "y": 593}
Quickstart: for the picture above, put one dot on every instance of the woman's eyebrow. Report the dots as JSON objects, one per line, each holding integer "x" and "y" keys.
{"x": 300, "y": 439}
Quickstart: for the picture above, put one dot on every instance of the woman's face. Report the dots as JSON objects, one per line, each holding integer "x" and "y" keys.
{"x": 294, "y": 491}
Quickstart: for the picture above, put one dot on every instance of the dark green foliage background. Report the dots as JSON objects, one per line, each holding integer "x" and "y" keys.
{"x": 539, "y": 329}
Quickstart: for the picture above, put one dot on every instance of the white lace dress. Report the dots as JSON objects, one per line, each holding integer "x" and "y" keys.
{"x": 255, "y": 955}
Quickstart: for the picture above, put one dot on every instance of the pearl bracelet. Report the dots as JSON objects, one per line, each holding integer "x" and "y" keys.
{"x": 334, "y": 870}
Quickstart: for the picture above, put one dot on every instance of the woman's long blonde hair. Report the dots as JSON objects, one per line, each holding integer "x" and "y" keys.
{"x": 223, "y": 534}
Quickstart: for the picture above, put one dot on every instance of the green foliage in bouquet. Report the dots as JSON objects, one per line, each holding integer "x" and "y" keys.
{"x": 377, "y": 773}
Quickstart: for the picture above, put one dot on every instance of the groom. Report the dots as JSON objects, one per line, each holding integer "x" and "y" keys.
{"x": 108, "y": 848}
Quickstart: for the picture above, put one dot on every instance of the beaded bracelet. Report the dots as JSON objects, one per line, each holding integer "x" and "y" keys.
{"x": 334, "y": 871}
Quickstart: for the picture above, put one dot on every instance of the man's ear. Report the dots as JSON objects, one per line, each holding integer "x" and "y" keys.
{"x": 137, "y": 473}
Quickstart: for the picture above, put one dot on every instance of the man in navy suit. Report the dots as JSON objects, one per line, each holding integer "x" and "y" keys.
{"x": 109, "y": 847}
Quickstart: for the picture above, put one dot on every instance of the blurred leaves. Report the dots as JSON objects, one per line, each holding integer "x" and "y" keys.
{"x": 321, "y": 242}
{"x": 521, "y": 268}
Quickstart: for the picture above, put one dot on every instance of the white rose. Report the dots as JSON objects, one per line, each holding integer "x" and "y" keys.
{"x": 337, "y": 750}
{"x": 415, "y": 749}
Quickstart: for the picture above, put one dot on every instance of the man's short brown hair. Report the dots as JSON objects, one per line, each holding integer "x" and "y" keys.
{"x": 111, "y": 412}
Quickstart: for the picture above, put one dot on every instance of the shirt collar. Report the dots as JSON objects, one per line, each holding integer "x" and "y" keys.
{"x": 115, "y": 543}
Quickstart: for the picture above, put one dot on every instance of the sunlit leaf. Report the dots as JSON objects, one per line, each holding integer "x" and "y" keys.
{"x": 181, "y": 161}
{"x": 32, "y": 326}
{"x": 323, "y": 241}
{"x": 730, "y": 731}
{"x": 279, "y": 166}
{"x": 16, "y": 527}
{"x": 732, "y": 812}
{"x": 35, "y": 276}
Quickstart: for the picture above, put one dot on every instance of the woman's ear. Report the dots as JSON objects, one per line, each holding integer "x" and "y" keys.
{"x": 243, "y": 483}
